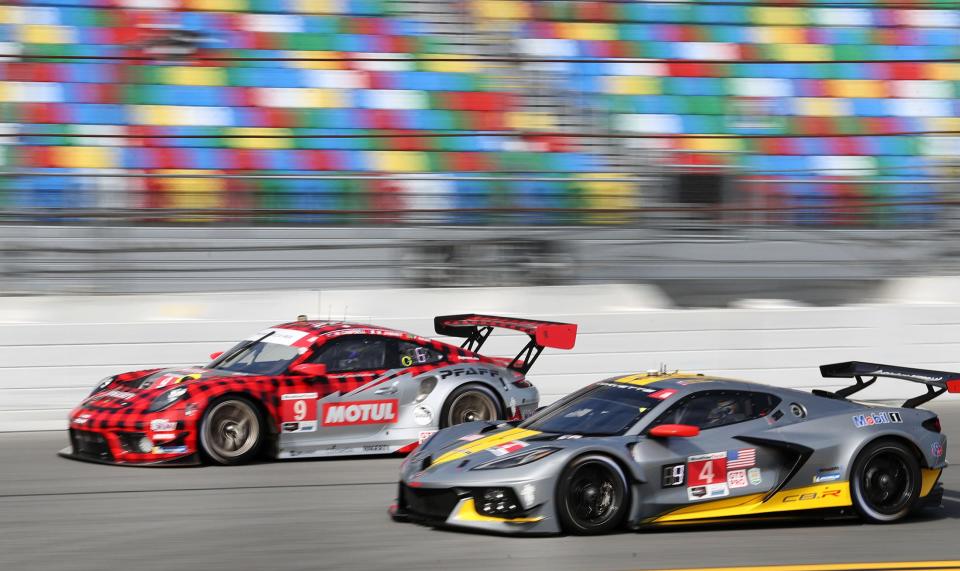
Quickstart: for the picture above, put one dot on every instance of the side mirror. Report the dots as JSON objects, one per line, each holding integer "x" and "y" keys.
{"x": 215, "y": 356}
{"x": 310, "y": 369}
{"x": 677, "y": 430}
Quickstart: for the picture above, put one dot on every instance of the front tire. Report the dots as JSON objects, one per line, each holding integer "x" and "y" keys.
{"x": 231, "y": 431}
{"x": 885, "y": 482}
{"x": 469, "y": 403}
{"x": 592, "y": 496}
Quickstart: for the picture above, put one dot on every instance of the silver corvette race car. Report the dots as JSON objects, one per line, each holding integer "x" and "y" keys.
{"x": 664, "y": 449}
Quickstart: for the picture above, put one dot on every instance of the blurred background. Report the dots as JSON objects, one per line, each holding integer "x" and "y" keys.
{"x": 741, "y": 187}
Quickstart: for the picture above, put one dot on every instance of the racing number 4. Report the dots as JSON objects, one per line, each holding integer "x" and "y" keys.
{"x": 707, "y": 469}
{"x": 706, "y": 473}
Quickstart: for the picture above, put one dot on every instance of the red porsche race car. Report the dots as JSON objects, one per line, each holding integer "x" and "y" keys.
{"x": 312, "y": 388}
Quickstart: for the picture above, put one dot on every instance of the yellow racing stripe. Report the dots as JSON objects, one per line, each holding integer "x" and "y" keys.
{"x": 891, "y": 566}
{"x": 833, "y": 495}
{"x": 485, "y": 443}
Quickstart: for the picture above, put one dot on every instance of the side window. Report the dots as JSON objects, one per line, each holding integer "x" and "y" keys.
{"x": 712, "y": 409}
{"x": 353, "y": 353}
{"x": 412, "y": 354}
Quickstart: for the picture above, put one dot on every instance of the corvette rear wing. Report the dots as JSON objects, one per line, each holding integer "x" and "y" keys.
{"x": 475, "y": 329}
{"x": 937, "y": 382}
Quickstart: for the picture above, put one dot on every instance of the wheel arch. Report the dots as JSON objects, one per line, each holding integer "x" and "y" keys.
{"x": 270, "y": 419}
{"x": 497, "y": 393}
{"x": 890, "y": 436}
{"x": 895, "y": 437}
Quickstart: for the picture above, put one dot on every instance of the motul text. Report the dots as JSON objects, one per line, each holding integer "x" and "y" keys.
{"x": 360, "y": 412}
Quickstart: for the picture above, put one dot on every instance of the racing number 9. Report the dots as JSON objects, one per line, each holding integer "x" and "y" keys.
{"x": 301, "y": 408}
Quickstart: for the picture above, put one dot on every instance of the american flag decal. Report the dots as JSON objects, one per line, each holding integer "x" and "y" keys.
{"x": 508, "y": 448}
{"x": 744, "y": 458}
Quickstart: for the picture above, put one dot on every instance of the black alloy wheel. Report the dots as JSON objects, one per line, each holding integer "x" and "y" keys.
{"x": 885, "y": 482}
{"x": 592, "y": 496}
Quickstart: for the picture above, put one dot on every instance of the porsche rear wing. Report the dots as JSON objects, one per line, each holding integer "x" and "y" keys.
{"x": 475, "y": 329}
{"x": 937, "y": 382}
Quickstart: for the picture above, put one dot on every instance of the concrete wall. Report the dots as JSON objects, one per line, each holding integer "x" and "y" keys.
{"x": 54, "y": 349}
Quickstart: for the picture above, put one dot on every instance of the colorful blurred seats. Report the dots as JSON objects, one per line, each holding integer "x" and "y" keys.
{"x": 323, "y": 114}
{"x": 731, "y": 96}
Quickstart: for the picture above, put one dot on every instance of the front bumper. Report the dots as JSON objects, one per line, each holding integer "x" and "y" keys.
{"x": 456, "y": 507}
{"x": 148, "y": 441}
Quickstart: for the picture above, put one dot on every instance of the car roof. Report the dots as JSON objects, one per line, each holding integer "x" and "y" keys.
{"x": 326, "y": 329}
{"x": 687, "y": 382}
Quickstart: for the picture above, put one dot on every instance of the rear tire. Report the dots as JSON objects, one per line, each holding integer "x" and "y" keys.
{"x": 885, "y": 482}
{"x": 232, "y": 431}
{"x": 470, "y": 403}
{"x": 592, "y": 496}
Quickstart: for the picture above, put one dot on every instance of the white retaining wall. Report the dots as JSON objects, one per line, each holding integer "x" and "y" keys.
{"x": 54, "y": 349}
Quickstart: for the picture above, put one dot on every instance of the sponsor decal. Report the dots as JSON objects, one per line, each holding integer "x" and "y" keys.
{"x": 280, "y": 336}
{"x": 709, "y": 491}
{"x": 468, "y": 371}
{"x": 743, "y": 458}
{"x": 375, "y": 448}
{"x": 162, "y": 425}
{"x": 810, "y": 496}
{"x": 191, "y": 409}
{"x": 298, "y": 412}
{"x": 570, "y": 437}
{"x": 470, "y": 437}
{"x": 707, "y": 469}
{"x": 360, "y": 412}
{"x": 881, "y": 372}
{"x": 122, "y": 395}
{"x": 936, "y": 449}
{"x": 424, "y": 435}
{"x": 174, "y": 379}
{"x": 737, "y": 479}
{"x": 755, "y": 477}
{"x": 663, "y": 394}
{"x": 508, "y": 447}
{"x": 831, "y": 474}
{"x": 875, "y": 418}
{"x": 629, "y": 387}
{"x": 169, "y": 449}
{"x": 673, "y": 475}
{"x": 163, "y": 436}
{"x": 82, "y": 419}
{"x": 422, "y": 415}
{"x": 707, "y": 476}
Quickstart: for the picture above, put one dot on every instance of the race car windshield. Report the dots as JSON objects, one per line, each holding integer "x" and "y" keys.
{"x": 259, "y": 358}
{"x": 605, "y": 409}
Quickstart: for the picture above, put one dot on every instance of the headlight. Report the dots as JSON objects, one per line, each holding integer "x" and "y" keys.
{"x": 101, "y": 386}
{"x": 426, "y": 387}
{"x": 167, "y": 399}
{"x": 519, "y": 460}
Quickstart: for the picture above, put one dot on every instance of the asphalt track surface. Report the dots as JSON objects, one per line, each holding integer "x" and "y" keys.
{"x": 59, "y": 514}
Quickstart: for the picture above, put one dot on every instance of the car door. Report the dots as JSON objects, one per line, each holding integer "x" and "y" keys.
{"x": 716, "y": 464}
{"x": 345, "y": 415}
